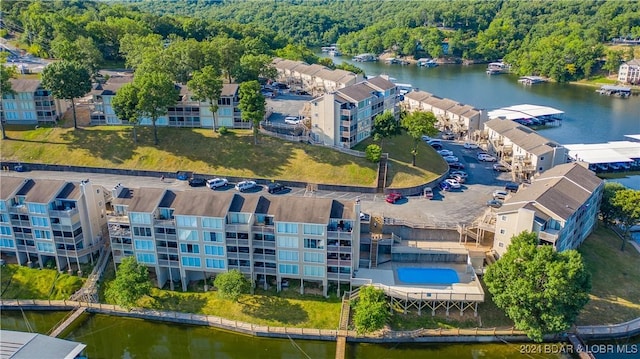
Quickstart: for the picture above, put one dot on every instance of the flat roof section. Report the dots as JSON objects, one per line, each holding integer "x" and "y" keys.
{"x": 633, "y": 137}
{"x": 21, "y": 345}
{"x": 524, "y": 111}
{"x": 610, "y": 152}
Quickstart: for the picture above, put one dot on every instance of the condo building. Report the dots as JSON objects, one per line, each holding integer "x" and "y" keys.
{"x": 30, "y": 104}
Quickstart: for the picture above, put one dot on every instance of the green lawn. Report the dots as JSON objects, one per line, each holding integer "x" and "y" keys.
{"x": 429, "y": 165}
{"x": 615, "y": 296}
{"x": 204, "y": 151}
{"x": 19, "y": 282}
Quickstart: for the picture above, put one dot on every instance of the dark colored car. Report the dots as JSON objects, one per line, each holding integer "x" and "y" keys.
{"x": 456, "y": 165}
{"x": 494, "y": 203}
{"x": 512, "y": 186}
{"x": 183, "y": 176}
{"x": 275, "y": 187}
{"x": 20, "y": 168}
{"x": 445, "y": 186}
{"x": 197, "y": 182}
{"x": 436, "y": 146}
{"x": 393, "y": 197}
{"x": 500, "y": 167}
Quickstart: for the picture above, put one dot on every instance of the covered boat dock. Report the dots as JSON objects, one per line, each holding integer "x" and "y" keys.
{"x": 529, "y": 115}
{"x": 610, "y": 156}
{"x": 19, "y": 345}
{"x": 618, "y": 91}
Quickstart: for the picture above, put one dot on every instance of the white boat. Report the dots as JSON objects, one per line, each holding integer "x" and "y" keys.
{"x": 531, "y": 80}
{"x": 426, "y": 62}
{"x": 495, "y": 68}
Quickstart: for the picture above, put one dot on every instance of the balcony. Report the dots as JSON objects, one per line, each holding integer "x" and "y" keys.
{"x": 264, "y": 270}
{"x": 168, "y": 250}
{"x": 342, "y": 276}
{"x": 340, "y": 249}
{"x": 121, "y": 246}
{"x": 166, "y": 236}
{"x": 168, "y": 263}
{"x": 237, "y": 227}
{"x": 117, "y": 231}
{"x": 238, "y": 242}
{"x": 339, "y": 263}
{"x": 262, "y": 228}
{"x": 26, "y": 248}
{"x": 63, "y": 212}
{"x": 117, "y": 218}
{"x": 549, "y": 235}
{"x": 238, "y": 255}
{"x": 339, "y": 234}
{"x": 161, "y": 222}
{"x": 264, "y": 244}
{"x": 266, "y": 257}
{"x": 18, "y": 209}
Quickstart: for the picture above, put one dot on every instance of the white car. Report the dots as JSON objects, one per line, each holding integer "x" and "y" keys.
{"x": 500, "y": 194}
{"x": 245, "y": 185}
{"x": 425, "y": 138}
{"x": 292, "y": 120}
{"x": 217, "y": 182}
{"x": 445, "y": 153}
{"x": 453, "y": 183}
{"x": 450, "y": 159}
{"x": 462, "y": 174}
{"x": 470, "y": 145}
{"x": 486, "y": 158}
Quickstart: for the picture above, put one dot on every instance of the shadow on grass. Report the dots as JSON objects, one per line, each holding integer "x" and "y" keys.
{"x": 274, "y": 308}
{"x": 189, "y": 303}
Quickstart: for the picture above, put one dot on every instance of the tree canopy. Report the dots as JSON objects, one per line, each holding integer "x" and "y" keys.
{"x": 6, "y": 73}
{"x": 608, "y": 211}
{"x": 231, "y": 285}
{"x": 131, "y": 283}
{"x": 252, "y": 104}
{"x": 206, "y": 85}
{"x": 540, "y": 289}
{"x": 126, "y": 106}
{"x": 371, "y": 310}
{"x": 417, "y": 124}
{"x": 627, "y": 203}
{"x": 385, "y": 125}
{"x": 67, "y": 80}
{"x": 156, "y": 92}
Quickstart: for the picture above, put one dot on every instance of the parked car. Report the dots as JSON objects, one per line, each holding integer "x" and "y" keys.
{"x": 183, "y": 176}
{"x": 197, "y": 182}
{"x": 500, "y": 194}
{"x": 453, "y": 183}
{"x": 456, "y": 165}
{"x": 366, "y": 217}
{"x": 292, "y": 120}
{"x": 275, "y": 187}
{"x": 450, "y": 159}
{"x": 245, "y": 185}
{"x": 436, "y": 146}
{"x": 393, "y": 197}
{"x": 217, "y": 182}
{"x": 445, "y": 153}
{"x": 486, "y": 158}
{"x": 425, "y": 138}
{"x": 494, "y": 203}
{"x": 512, "y": 187}
{"x": 434, "y": 141}
{"x": 499, "y": 167}
{"x": 428, "y": 192}
{"x": 20, "y": 168}
{"x": 445, "y": 186}
{"x": 448, "y": 136}
{"x": 457, "y": 178}
{"x": 470, "y": 145}
{"x": 459, "y": 173}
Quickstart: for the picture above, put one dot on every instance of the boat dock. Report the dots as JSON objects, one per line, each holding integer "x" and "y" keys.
{"x": 579, "y": 347}
{"x": 67, "y": 322}
{"x": 16, "y": 345}
{"x": 618, "y": 91}
{"x": 365, "y": 58}
{"x": 495, "y": 68}
{"x": 531, "y": 80}
{"x": 426, "y": 62}
{"x": 607, "y": 157}
{"x": 529, "y": 115}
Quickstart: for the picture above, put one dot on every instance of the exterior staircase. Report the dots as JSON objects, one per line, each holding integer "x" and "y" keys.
{"x": 375, "y": 228}
{"x": 382, "y": 173}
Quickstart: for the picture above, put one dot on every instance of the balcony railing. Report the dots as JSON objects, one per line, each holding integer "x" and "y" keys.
{"x": 339, "y": 234}
{"x": 341, "y": 276}
{"x": 237, "y": 227}
{"x": 341, "y": 249}
{"x": 168, "y": 263}
{"x": 119, "y": 232}
{"x": 169, "y": 250}
{"x": 117, "y": 218}
{"x": 238, "y": 242}
{"x": 264, "y": 244}
{"x": 262, "y": 228}
{"x": 264, "y": 270}
{"x": 164, "y": 222}
{"x": 18, "y": 209}
{"x": 238, "y": 255}
{"x": 341, "y": 262}
{"x": 63, "y": 212}
{"x": 266, "y": 257}
{"x": 549, "y": 236}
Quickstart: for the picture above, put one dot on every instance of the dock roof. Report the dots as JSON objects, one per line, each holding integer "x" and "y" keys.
{"x": 21, "y": 345}
{"x": 524, "y": 111}
{"x": 610, "y": 152}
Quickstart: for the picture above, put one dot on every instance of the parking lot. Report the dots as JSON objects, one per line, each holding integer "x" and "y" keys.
{"x": 286, "y": 104}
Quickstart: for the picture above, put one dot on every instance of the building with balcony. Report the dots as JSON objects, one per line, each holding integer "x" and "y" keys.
{"x": 629, "y": 72}
{"x": 30, "y": 104}
{"x": 345, "y": 118}
{"x": 561, "y": 206}
{"x": 315, "y": 79}
{"x": 192, "y": 235}
{"x": 187, "y": 112}
{"x": 522, "y": 148}
{"x": 464, "y": 121}
{"x": 51, "y": 222}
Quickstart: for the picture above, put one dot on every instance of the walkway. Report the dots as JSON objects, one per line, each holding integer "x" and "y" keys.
{"x": 62, "y": 327}
{"x": 580, "y": 347}
{"x": 89, "y": 290}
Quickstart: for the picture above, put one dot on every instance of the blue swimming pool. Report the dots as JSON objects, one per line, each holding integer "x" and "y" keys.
{"x": 411, "y": 275}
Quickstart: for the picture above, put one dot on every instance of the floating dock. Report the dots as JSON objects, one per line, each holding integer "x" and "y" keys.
{"x": 617, "y": 91}
{"x": 531, "y": 80}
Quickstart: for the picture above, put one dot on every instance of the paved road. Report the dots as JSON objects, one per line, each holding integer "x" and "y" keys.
{"x": 460, "y": 206}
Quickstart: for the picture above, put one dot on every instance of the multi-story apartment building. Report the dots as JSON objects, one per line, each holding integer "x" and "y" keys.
{"x": 464, "y": 121}
{"x": 316, "y": 79}
{"x": 345, "y": 118}
{"x": 187, "y": 112}
{"x": 524, "y": 149}
{"x": 561, "y": 206}
{"x": 30, "y": 104}
{"x": 192, "y": 235}
{"x": 51, "y": 221}
{"x": 629, "y": 72}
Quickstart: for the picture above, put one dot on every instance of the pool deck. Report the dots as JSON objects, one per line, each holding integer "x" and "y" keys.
{"x": 468, "y": 288}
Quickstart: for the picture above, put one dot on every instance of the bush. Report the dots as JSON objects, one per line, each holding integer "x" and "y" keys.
{"x": 223, "y": 130}
{"x": 373, "y": 153}
{"x": 371, "y": 310}
{"x": 231, "y": 285}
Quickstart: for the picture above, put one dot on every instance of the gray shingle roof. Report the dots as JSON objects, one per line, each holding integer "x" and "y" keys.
{"x": 24, "y": 85}
{"x": 10, "y": 185}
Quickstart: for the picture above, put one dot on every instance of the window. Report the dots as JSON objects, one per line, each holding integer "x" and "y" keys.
{"x": 5, "y": 230}
{"x": 502, "y": 231}
{"x": 146, "y": 258}
{"x": 500, "y": 244}
{"x": 187, "y": 235}
{"x": 314, "y": 243}
{"x": 186, "y": 221}
{"x": 140, "y": 218}
{"x": 214, "y": 263}
{"x": 542, "y": 158}
{"x": 39, "y": 221}
{"x": 314, "y": 257}
{"x": 7, "y": 243}
{"x": 504, "y": 218}
{"x": 37, "y": 208}
{"x": 214, "y": 223}
{"x": 288, "y": 268}
{"x": 212, "y": 237}
{"x": 45, "y": 247}
{"x": 189, "y": 248}
{"x": 40, "y": 234}
{"x": 214, "y": 250}
{"x": 3, "y": 206}
{"x": 287, "y": 228}
{"x": 238, "y": 218}
{"x": 191, "y": 262}
{"x": 315, "y": 229}
{"x": 144, "y": 245}
{"x": 314, "y": 271}
{"x": 288, "y": 242}
{"x": 142, "y": 231}
{"x": 291, "y": 256}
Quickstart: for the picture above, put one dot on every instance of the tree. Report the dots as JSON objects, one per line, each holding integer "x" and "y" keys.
{"x": 67, "y": 80}
{"x": 252, "y": 67}
{"x": 627, "y": 202}
{"x": 417, "y": 124}
{"x": 252, "y": 104}
{"x": 125, "y": 104}
{"x": 608, "y": 211}
{"x": 371, "y": 310}
{"x": 373, "y": 153}
{"x": 131, "y": 283}
{"x": 231, "y": 285}
{"x": 6, "y": 73}
{"x": 156, "y": 92}
{"x": 614, "y": 58}
{"x": 81, "y": 50}
{"x": 230, "y": 51}
{"x": 385, "y": 125}
{"x": 540, "y": 289}
{"x": 206, "y": 85}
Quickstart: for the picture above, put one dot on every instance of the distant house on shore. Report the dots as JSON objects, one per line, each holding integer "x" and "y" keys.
{"x": 629, "y": 72}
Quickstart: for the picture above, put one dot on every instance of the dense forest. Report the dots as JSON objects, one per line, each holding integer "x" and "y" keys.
{"x": 564, "y": 40}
